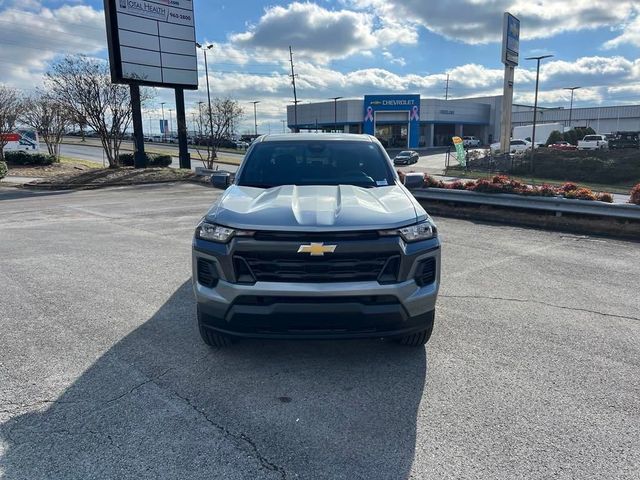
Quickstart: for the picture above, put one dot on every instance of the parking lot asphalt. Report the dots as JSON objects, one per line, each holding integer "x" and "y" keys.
{"x": 533, "y": 370}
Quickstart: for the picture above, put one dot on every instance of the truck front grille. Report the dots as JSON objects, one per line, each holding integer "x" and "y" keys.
{"x": 293, "y": 267}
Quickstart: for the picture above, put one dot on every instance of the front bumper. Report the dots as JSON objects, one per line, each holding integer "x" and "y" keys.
{"x": 317, "y": 310}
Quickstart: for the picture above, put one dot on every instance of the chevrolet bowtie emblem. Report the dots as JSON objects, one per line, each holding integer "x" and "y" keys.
{"x": 317, "y": 249}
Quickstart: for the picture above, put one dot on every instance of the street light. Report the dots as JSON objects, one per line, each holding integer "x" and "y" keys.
{"x": 535, "y": 104}
{"x": 335, "y": 111}
{"x": 170, "y": 122}
{"x": 255, "y": 115}
{"x": 164, "y": 130}
{"x": 200, "y": 126}
{"x": 573, "y": 89}
{"x": 283, "y": 124}
{"x": 206, "y": 70}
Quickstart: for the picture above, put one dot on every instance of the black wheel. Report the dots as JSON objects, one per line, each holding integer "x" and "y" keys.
{"x": 417, "y": 339}
{"x": 213, "y": 338}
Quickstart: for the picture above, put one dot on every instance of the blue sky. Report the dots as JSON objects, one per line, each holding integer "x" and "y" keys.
{"x": 353, "y": 47}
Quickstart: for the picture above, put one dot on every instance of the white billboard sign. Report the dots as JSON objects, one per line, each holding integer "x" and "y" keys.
{"x": 152, "y": 42}
{"x": 510, "y": 40}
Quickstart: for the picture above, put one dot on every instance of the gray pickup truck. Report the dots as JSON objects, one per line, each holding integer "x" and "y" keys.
{"x": 316, "y": 237}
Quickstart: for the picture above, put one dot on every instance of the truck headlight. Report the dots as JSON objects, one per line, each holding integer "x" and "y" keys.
{"x": 218, "y": 233}
{"x": 414, "y": 233}
{"x": 214, "y": 233}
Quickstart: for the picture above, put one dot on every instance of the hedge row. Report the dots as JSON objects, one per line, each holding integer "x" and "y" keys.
{"x": 615, "y": 166}
{"x": 153, "y": 160}
{"x": 24, "y": 158}
{"x": 3, "y": 170}
{"x": 503, "y": 184}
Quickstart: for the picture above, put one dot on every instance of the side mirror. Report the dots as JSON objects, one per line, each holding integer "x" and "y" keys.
{"x": 221, "y": 180}
{"x": 413, "y": 180}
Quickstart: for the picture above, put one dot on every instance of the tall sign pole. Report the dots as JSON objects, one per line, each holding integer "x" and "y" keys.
{"x": 510, "y": 58}
{"x": 139, "y": 158}
{"x": 153, "y": 44}
{"x": 183, "y": 149}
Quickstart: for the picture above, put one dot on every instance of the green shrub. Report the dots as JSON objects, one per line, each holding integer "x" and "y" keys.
{"x": 635, "y": 195}
{"x": 3, "y": 170}
{"x": 153, "y": 160}
{"x": 24, "y": 158}
{"x": 600, "y": 166}
{"x": 160, "y": 160}
{"x": 580, "y": 194}
{"x": 554, "y": 137}
{"x": 605, "y": 197}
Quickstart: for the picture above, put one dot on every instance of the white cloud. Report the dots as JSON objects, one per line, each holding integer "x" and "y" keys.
{"x": 321, "y": 34}
{"x": 630, "y": 35}
{"x": 480, "y": 21}
{"x": 30, "y": 40}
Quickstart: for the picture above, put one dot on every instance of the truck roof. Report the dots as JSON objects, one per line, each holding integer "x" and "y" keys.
{"x": 283, "y": 137}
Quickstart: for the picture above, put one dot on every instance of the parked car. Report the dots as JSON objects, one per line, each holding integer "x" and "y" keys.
{"x": 593, "y": 142}
{"x": 319, "y": 258}
{"x": 624, "y": 140}
{"x": 240, "y": 145}
{"x": 471, "y": 142}
{"x": 562, "y": 146}
{"x": 407, "y": 157}
{"x": 516, "y": 146}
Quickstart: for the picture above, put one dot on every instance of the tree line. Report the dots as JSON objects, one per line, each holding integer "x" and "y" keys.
{"x": 77, "y": 90}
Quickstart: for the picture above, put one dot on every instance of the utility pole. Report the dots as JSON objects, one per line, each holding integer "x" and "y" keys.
{"x": 535, "y": 106}
{"x": 446, "y": 93}
{"x": 335, "y": 111}
{"x": 295, "y": 95}
{"x": 255, "y": 116}
{"x": 573, "y": 89}
{"x": 170, "y": 122}
{"x": 206, "y": 70}
{"x": 164, "y": 130}
{"x": 283, "y": 124}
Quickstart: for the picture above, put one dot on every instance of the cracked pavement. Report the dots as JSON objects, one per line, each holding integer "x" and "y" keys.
{"x": 533, "y": 370}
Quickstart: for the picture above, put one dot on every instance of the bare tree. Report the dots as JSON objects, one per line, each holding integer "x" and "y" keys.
{"x": 46, "y": 114}
{"x": 84, "y": 86}
{"x": 10, "y": 108}
{"x": 224, "y": 114}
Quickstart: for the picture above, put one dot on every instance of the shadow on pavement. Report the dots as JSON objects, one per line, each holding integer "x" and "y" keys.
{"x": 159, "y": 404}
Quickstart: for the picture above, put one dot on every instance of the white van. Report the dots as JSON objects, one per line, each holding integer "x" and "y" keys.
{"x": 23, "y": 141}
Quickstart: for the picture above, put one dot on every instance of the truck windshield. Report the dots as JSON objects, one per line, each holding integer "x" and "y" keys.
{"x": 296, "y": 162}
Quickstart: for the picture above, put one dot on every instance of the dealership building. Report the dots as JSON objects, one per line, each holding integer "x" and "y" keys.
{"x": 409, "y": 121}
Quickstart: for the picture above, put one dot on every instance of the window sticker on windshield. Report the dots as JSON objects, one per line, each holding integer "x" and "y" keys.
{"x": 382, "y": 183}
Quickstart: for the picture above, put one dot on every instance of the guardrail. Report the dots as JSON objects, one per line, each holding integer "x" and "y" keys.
{"x": 549, "y": 204}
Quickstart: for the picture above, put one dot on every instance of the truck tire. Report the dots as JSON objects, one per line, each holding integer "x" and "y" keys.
{"x": 214, "y": 338}
{"x": 418, "y": 339}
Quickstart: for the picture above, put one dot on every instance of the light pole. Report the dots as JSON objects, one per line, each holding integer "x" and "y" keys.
{"x": 335, "y": 111}
{"x": 170, "y": 122}
{"x": 573, "y": 89}
{"x": 283, "y": 124}
{"x": 535, "y": 105}
{"x": 206, "y": 70}
{"x": 164, "y": 130}
{"x": 200, "y": 110}
{"x": 255, "y": 116}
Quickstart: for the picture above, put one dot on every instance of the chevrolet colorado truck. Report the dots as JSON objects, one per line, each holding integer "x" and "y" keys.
{"x": 316, "y": 237}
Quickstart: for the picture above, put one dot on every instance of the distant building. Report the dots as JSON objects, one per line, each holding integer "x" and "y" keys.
{"x": 409, "y": 121}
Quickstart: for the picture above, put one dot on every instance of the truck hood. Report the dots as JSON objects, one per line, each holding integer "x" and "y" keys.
{"x": 310, "y": 208}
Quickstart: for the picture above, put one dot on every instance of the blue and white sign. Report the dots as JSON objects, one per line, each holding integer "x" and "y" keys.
{"x": 393, "y": 103}
{"x": 164, "y": 126}
{"x": 510, "y": 40}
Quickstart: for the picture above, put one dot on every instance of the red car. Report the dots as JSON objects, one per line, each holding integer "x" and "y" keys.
{"x": 562, "y": 146}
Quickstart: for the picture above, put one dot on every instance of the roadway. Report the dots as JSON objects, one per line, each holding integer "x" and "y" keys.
{"x": 532, "y": 372}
